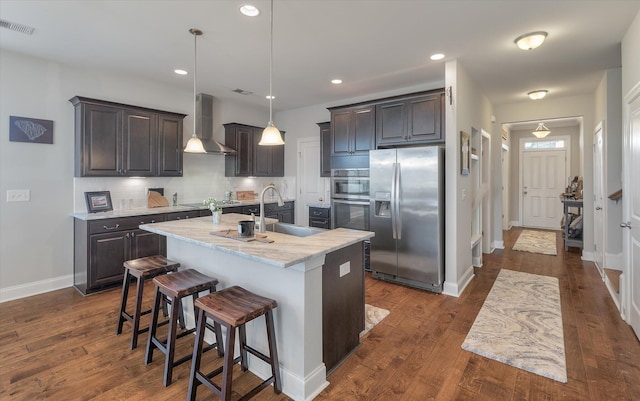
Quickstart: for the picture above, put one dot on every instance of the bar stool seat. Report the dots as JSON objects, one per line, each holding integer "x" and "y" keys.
{"x": 232, "y": 308}
{"x": 175, "y": 287}
{"x": 142, "y": 269}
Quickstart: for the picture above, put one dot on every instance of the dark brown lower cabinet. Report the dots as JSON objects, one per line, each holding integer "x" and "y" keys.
{"x": 342, "y": 304}
{"x": 102, "y": 246}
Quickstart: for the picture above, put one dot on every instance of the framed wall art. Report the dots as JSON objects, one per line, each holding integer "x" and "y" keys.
{"x": 465, "y": 153}
{"x": 25, "y": 129}
{"x": 98, "y": 201}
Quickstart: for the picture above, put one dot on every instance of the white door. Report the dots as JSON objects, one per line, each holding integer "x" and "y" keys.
{"x": 543, "y": 175}
{"x": 311, "y": 187}
{"x": 598, "y": 200}
{"x": 505, "y": 187}
{"x": 631, "y": 200}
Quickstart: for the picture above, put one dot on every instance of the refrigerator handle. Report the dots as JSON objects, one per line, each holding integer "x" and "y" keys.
{"x": 397, "y": 202}
{"x": 393, "y": 201}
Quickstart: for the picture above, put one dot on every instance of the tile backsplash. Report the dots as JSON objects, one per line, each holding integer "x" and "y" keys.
{"x": 131, "y": 193}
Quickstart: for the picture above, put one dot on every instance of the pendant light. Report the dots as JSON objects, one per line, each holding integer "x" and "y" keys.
{"x": 541, "y": 131}
{"x": 271, "y": 135}
{"x": 195, "y": 144}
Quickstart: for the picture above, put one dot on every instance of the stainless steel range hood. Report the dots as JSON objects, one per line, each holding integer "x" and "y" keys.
{"x": 204, "y": 125}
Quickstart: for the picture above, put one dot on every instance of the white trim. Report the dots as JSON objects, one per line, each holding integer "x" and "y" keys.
{"x": 498, "y": 245}
{"x": 614, "y": 261}
{"x": 514, "y": 223}
{"x": 35, "y": 288}
{"x": 588, "y": 256}
{"x": 456, "y": 289}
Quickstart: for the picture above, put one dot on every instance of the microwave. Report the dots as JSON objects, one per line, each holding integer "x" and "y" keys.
{"x": 350, "y": 183}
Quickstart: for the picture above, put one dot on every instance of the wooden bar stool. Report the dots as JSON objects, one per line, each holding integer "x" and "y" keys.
{"x": 231, "y": 308}
{"x": 175, "y": 287}
{"x": 142, "y": 269}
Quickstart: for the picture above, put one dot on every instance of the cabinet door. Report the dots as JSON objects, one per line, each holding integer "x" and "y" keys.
{"x": 241, "y": 139}
{"x": 101, "y": 136}
{"x": 390, "y": 123}
{"x": 325, "y": 149}
{"x": 108, "y": 253}
{"x": 144, "y": 243}
{"x": 139, "y": 143}
{"x": 363, "y": 130}
{"x": 286, "y": 216}
{"x": 340, "y": 132}
{"x": 424, "y": 118}
{"x": 170, "y": 146}
{"x": 262, "y": 157}
{"x": 277, "y": 160}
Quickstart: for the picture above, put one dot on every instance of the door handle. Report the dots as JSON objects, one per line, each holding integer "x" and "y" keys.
{"x": 525, "y": 192}
{"x": 626, "y": 225}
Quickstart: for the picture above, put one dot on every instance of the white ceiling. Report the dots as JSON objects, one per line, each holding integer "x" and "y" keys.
{"x": 375, "y": 46}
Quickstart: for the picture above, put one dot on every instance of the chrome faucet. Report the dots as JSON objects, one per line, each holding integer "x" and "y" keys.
{"x": 261, "y": 229}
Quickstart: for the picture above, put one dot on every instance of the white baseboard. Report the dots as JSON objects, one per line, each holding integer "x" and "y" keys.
{"x": 614, "y": 261}
{"x": 456, "y": 288}
{"x": 498, "y": 245}
{"x": 35, "y": 288}
{"x": 588, "y": 256}
{"x": 514, "y": 223}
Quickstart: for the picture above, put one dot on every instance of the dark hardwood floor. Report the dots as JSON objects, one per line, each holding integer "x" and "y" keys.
{"x": 62, "y": 346}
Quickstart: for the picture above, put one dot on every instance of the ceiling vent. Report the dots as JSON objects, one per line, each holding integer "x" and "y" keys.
{"x": 27, "y": 30}
{"x": 242, "y": 91}
{"x": 204, "y": 125}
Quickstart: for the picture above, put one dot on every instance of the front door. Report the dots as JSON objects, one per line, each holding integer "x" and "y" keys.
{"x": 631, "y": 224}
{"x": 598, "y": 200}
{"x": 543, "y": 175}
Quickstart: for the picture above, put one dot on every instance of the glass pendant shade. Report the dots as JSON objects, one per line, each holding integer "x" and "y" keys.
{"x": 541, "y": 131}
{"x": 271, "y": 136}
{"x": 194, "y": 146}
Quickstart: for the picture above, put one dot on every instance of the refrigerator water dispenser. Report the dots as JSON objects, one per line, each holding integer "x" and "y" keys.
{"x": 382, "y": 204}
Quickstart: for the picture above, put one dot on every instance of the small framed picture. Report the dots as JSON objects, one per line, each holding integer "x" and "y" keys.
{"x": 465, "y": 153}
{"x": 98, "y": 201}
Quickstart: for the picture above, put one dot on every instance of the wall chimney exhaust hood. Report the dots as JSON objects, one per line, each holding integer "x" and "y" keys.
{"x": 204, "y": 125}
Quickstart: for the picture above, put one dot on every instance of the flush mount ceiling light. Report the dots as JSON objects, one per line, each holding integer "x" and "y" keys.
{"x": 541, "y": 131}
{"x": 336, "y": 81}
{"x": 249, "y": 10}
{"x": 195, "y": 144}
{"x": 437, "y": 56}
{"x": 271, "y": 135}
{"x": 530, "y": 41}
{"x": 537, "y": 95}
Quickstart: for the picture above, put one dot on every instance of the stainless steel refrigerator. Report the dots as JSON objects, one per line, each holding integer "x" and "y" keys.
{"x": 407, "y": 215}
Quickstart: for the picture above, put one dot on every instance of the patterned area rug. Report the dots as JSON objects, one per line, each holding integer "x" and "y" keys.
{"x": 372, "y": 316}
{"x": 536, "y": 242}
{"x": 520, "y": 324}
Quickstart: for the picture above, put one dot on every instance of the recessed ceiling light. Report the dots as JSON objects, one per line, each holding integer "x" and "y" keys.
{"x": 530, "y": 41}
{"x": 249, "y": 10}
{"x": 336, "y": 81}
{"x": 270, "y": 97}
{"x": 180, "y": 72}
{"x": 537, "y": 95}
{"x": 437, "y": 56}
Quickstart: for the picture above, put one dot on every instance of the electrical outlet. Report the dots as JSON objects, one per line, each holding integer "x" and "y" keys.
{"x": 18, "y": 195}
{"x": 345, "y": 268}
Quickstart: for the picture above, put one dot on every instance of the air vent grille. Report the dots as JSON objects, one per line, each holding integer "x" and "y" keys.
{"x": 27, "y": 30}
{"x": 242, "y": 91}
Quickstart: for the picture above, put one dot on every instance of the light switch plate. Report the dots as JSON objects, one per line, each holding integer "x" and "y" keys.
{"x": 18, "y": 195}
{"x": 345, "y": 268}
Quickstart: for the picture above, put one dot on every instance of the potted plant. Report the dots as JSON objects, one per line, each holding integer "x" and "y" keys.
{"x": 214, "y": 206}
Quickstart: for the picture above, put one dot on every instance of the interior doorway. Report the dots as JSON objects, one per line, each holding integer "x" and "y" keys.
{"x": 311, "y": 187}
{"x": 599, "y": 231}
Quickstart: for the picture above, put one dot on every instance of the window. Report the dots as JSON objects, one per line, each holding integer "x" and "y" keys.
{"x": 548, "y": 144}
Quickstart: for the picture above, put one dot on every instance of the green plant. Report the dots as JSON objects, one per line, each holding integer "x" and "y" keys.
{"x": 212, "y": 204}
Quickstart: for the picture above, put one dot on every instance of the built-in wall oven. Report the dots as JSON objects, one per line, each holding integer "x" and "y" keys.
{"x": 350, "y": 201}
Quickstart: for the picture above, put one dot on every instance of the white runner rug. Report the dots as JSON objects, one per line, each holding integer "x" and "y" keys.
{"x": 520, "y": 324}
{"x": 372, "y": 316}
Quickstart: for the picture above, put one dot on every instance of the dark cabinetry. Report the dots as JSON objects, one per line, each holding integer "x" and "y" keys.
{"x": 251, "y": 159}
{"x": 113, "y": 139}
{"x": 413, "y": 120}
{"x": 320, "y": 217}
{"x": 353, "y": 130}
{"x": 284, "y": 213}
{"x": 102, "y": 246}
{"x": 325, "y": 149}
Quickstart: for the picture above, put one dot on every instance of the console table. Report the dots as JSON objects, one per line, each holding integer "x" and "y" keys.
{"x": 568, "y": 203}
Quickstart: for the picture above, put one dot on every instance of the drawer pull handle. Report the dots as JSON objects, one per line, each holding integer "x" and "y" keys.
{"x": 111, "y": 228}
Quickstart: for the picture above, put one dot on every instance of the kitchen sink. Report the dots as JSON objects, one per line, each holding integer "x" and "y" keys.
{"x": 292, "y": 229}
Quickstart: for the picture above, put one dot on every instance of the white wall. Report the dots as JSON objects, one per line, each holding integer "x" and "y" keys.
{"x": 470, "y": 109}
{"x": 550, "y": 108}
{"x": 631, "y": 56}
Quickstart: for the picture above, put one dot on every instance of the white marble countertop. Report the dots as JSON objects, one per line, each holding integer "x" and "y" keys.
{"x": 286, "y": 250}
{"x": 320, "y": 205}
{"x": 142, "y": 211}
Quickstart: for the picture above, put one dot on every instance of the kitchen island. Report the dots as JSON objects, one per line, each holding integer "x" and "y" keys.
{"x": 289, "y": 270}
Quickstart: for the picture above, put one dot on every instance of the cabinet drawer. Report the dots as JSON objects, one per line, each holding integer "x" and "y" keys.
{"x": 253, "y": 209}
{"x": 319, "y": 212}
{"x": 183, "y": 215}
{"x": 124, "y": 223}
{"x": 273, "y": 207}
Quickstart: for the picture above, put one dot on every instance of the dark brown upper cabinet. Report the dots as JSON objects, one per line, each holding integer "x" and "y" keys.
{"x": 118, "y": 140}
{"x": 251, "y": 159}
{"x": 325, "y": 149}
{"x": 352, "y": 130}
{"x": 411, "y": 120}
